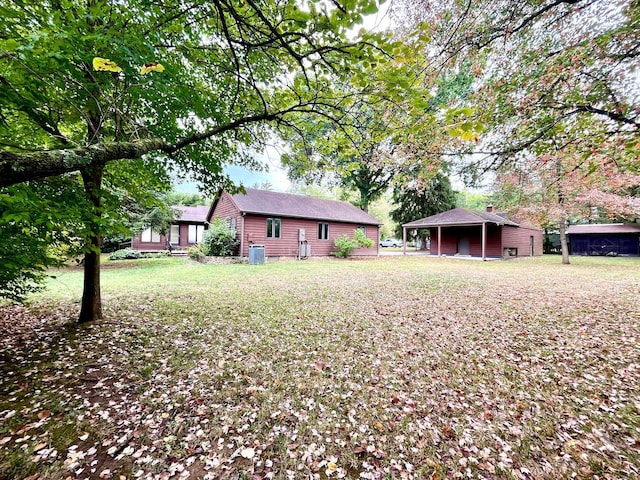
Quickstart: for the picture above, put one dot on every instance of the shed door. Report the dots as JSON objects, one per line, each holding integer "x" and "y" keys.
{"x": 531, "y": 249}
{"x": 463, "y": 246}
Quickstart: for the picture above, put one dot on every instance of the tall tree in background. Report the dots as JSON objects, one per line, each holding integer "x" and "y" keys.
{"x": 359, "y": 157}
{"x": 187, "y": 199}
{"x": 422, "y": 199}
{"x": 116, "y": 95}
{"x": 366, "y": 151}
{"x": 551, "y": 74}
{"x": 384, "y": 142}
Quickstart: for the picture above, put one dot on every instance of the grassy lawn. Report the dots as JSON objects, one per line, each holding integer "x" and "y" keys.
{"x": 396, "y": 367}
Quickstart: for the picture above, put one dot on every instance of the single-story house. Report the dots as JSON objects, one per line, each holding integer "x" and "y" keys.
{"x": 487, "y": 234}
{"x": 605, "y": 239}
{"x": 185, "y": 231}
{"x": 292, "y": 225}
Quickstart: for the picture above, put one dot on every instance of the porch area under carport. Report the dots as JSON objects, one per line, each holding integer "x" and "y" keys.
{"x": 479, "y": 241}
{"x": 466, "y": 233}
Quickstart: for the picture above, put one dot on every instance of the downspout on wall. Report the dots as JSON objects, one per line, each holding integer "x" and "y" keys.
{"x": 242, "y": 234}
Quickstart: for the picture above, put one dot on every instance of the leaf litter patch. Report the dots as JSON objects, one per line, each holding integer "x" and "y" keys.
{"x": 470, "y": 372}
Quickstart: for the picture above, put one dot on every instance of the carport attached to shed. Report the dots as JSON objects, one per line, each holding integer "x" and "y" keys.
{"x": 480, "y": 234}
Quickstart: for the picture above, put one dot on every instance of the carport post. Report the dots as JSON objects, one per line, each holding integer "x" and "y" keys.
{"x": 404, "y": 240}
{"x": 484, "y": 241}
{"x": 439, "y": 239}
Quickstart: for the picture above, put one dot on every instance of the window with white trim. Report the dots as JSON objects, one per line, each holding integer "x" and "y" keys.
{"x": 273, "y": 227}
{"x": 323, "y": 231}
{"x": 149, "y": 235}
{"x": 195, "y": 233}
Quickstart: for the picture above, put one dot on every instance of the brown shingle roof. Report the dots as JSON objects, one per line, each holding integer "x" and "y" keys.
{"x": 191, "y": 214}
{"x": 264, "y": 202}
{"x": 460, "y": 217}
{"x": 604, "y": 228}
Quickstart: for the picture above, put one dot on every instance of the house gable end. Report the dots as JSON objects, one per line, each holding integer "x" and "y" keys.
{"x": 224, "y": 206}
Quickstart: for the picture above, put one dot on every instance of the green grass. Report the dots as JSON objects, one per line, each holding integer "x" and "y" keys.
{"x": 393, "y": 367}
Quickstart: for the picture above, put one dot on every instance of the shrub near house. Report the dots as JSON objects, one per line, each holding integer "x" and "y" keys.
{"x": 220, "y": 239}
{"x": 345, "y": 246}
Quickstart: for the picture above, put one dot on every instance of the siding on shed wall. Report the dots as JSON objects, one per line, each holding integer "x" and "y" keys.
{"x": 255, "y": 230}
{"x": 493, "y": 247}
{"x": 448, "y": 244}
{"x": 520, "y": 238}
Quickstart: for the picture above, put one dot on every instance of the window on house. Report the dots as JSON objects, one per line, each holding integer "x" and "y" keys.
{"x": 363, "y": 228}
{"x": 232, "y": 222}
{"x": 195, "y": 233}
{"x": 150, "y": 236}
{"x": 323, "y": 231}
{"x": 174, "y": 235}
{"x": 273, "y": 227}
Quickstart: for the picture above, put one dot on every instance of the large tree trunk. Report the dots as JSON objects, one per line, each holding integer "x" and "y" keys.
{"x": 423, "y": 242}
{"x": 563, "y": 241}
{"x": 364, "y": 200}
{"x": 91, "y": 307}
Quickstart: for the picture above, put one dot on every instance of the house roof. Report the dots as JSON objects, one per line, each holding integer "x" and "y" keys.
{"x": 264, "y": 202}
{"x": 196, "y": 214}
{"x": 460, "y": 217}
{"x": 604, "y": 228}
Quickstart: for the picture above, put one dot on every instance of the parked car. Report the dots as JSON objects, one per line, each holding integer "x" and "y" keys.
{"x": 391, "y": 242}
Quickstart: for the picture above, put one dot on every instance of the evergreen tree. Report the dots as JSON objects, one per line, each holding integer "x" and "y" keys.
{"x": 421, "y": 201}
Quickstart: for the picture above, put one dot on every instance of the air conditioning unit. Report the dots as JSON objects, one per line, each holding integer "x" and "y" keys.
{"x": 256, "y": 254}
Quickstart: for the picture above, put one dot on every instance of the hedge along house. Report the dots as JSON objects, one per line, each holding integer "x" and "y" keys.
{"x": 292, "y": 225}
{"x": 605, "y": 239}
{"x": 185, "y": 231}
{"x": 470, "y": 233}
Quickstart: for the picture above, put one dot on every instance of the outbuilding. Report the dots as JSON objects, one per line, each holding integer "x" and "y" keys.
{"x": 605, "y": 239}
{"x": 464, "y": 232}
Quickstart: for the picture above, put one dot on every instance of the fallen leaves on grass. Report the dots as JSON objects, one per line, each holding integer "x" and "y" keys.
{"x": 416, "y": 368}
